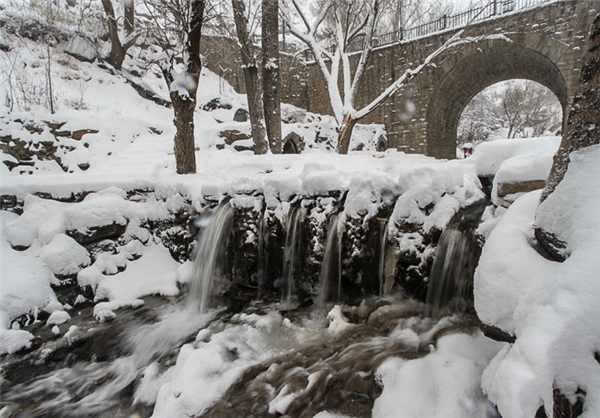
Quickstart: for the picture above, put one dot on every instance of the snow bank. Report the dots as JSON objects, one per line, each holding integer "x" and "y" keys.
{"x": 431, "y": 195}
{"x": 25, "y": 289}
{"x": 551, "y": 307}
{"x": 153, "y": 274}
{"x": 445, "y": 383}
{"x": 488, "y": 156}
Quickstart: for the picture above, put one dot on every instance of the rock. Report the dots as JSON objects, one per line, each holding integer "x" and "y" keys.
{"x": 97, "y": 233}
{"x": 232, "y": 136}
{"x": 215, "y": 104}
{"x": 508, "y": 192}
{"x": 81, "y": 49}
{"x": 241, "y": 115}
{"x": 77, "y": 135}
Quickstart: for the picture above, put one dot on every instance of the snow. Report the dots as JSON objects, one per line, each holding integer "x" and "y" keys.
{"x": 552, "y": 308}
{"x": 488, "y": 156}
{"x": 153, "y": 273}
{"x": 442, "y": 384}
{"x": 64, "y": 256}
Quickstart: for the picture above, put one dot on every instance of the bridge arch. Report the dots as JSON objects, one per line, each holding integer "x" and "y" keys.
{"x": 465, "y": 73}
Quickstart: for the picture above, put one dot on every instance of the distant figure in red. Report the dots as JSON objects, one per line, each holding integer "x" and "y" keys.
{"x": 467, "y": 150}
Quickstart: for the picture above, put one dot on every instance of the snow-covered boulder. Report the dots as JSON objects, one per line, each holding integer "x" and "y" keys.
{"x": 64, "y": 256}
{"x": 81, "y": 48}
{"x": 520, "y": 174}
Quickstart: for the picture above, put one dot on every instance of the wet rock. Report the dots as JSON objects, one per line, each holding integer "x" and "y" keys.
{"x": 97, "y": 233}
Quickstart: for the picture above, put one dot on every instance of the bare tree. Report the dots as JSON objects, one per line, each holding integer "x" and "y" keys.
{"x": 250, "y": 64}
{"x": 178, "y": 28}
{"x": 270, "y": 46}
{"x": 352, "y": 25}
{"x": 119, "y": 47}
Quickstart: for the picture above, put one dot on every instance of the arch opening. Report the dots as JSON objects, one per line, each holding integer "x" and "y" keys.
{"x": 290, "y": 148}
{"x": 509, "y": 109}
{"x": 474, "y": 73}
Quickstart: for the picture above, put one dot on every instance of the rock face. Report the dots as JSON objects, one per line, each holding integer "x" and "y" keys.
{"x": 283, "y": 252}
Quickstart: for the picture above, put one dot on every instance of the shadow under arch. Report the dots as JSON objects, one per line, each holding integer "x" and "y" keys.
{"x": 476, "y": 70}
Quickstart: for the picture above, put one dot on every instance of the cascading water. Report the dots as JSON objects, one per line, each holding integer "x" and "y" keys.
{"x": 100, "y": 388}
{"x": 331, "y": 268}
{"x": 457, "y": 254}
{"x": 383, "y": 231}
{"x": 209, "y": 261}
{"x": 291, "y": 253}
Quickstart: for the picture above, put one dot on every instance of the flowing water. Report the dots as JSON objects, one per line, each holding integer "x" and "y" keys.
{"x": 331, "y": 267}
{"x": 91, "y": 388}
{"x": 209, "y": 263}
{"x": 297, "y": 365}
{"x": 383, "y": 231}
{"x": 457, "y": 254}
{"x": 292, "y": 261}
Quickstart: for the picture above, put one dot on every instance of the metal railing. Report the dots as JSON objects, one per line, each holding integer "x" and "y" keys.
{"x": 492, "y": 9}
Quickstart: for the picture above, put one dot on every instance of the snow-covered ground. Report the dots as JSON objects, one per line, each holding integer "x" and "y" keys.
{"x": 552, "y": 308}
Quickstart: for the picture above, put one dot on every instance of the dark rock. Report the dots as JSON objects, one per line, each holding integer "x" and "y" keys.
{"x": 55, "y": 125}
{"x": 64, "y": 134}
{"x": 233, "y": 135}
{"x": 11, "y": 203}
{"x": 241, "y": 148}
{"x": 96, "y": 233}
{"x": 77, "y": 135}
{"x": 241, "y": 115}
{"x": 552, "y": 244}
{"x": 215, "y": 104}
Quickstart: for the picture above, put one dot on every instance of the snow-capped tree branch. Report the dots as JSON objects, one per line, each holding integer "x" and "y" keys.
{"x": 346, "y": 22}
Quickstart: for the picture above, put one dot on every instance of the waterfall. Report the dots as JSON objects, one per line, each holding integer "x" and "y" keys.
{"x": 292, "y": 253}
{"x": 457, "y": 254}
{"x": 383, "y": 231}
{"x": 209, "y": 263}
{"x": 331, "y": 267}
{"x": 263, "y": 257}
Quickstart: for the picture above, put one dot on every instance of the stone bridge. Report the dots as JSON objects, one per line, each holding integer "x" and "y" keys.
{"x": 546, "y": 44}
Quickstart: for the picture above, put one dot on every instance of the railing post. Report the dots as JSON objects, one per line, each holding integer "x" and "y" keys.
{"x": 401, "y": 34}
{"x": 495, "y": 7}
{"x": 445, "y": 21}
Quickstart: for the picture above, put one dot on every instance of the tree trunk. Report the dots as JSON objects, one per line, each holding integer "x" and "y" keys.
{"x": 185, "y": 148}
{"x": 345, "y": 134}
{"x": 582, "y": 131}
{"x": 253, "y": 86}
{"x": 270, "y": 44}
{"x": 117, "y": 52}
{"x": 184, "y": 105}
